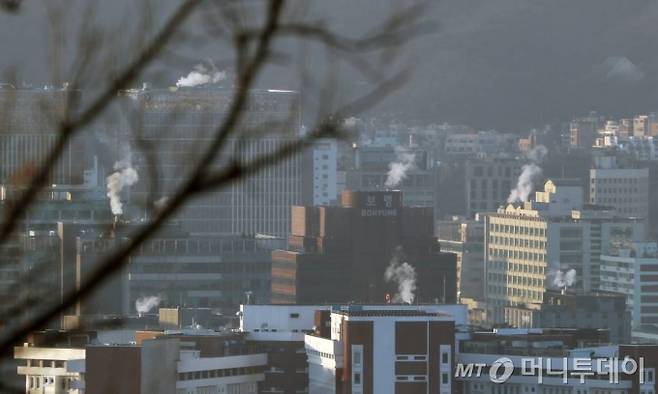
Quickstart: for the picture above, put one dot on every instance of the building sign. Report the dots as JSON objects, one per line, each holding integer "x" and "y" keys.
{"x": 378, "y": 204}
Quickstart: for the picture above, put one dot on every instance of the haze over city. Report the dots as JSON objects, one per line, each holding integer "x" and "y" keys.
{"x": 328, "y": 197}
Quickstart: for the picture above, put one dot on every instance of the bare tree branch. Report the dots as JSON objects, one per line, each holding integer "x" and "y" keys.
{"x": 68, "y": 127}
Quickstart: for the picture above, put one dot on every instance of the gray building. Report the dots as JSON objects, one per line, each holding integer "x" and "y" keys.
{"x": 178, "y": 124}
{"x": 176, "y": 269}
{"x": 596, "y": 309}
{"x": 465, "y": 238}
{"x": 488, "y": 183}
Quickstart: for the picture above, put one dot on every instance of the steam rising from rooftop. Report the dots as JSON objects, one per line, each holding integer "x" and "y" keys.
{"x": 530, "y": 173}
{"x": 564, "y": 279}
{"x": 124, "y": 175}
{"x": 405, "y": 161}
{"x": 200, "y": 75}
{"x": 145, "y": 304}
{"x": 405, "y": 277}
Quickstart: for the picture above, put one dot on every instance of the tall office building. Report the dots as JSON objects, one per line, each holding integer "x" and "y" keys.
{"x": 465, "y": 238}
{"x": 488, "y": 184}
{"x": 529, "y": 248}
{"x": 173, "y": 269}
{"x": 342, "y": 254}
{"x": 29, "y": 120}
{"x": 625, "y": 189}
{"x": 585, "y": 130}
{"x": 372, "y": 165}
{"x": 177, "y": 124}
{"x": 319, "y": 172}
{"x": 632, "y": 270}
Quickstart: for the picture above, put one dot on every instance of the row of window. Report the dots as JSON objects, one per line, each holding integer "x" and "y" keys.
{"x": 514, "y": 292}
{"x": 219, "y": 373}
{"x": 516, "y": 267}
{"x": 510, "y": 229}
{"x": 625, "y": 180}
{"x": 518, "y": 242}
{"x": 516, "y": 280}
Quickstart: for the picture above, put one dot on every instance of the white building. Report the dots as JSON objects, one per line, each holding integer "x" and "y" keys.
{"x": 52, "y": 370}
{"x": 324, "y": 158}
{"x": 191, "y": 361}
{"x": 633, "y": 270}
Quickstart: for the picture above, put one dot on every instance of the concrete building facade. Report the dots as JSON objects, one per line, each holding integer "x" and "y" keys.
{"x": 527, "y": 247}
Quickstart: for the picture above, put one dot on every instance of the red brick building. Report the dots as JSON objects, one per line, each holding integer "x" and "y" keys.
{"x": 340, "y": 254}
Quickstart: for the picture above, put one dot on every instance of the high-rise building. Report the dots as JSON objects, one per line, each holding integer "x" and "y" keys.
{"x": 415, "y": 177}
{"x": 29, "y": 120}
{"x": 625, "y": 189}
{"x": 175, "y": 269}
{"x": 488, "y": 184}
{"x": 177, "y": 124}
{"x": 342, "y": 254}
{"x": 465, "y": 238}
{"x": 632, "y": 270}
{"x": 585, "y": 130}
{"x": 528, "y": 248}
{"x": 319, "y": 172}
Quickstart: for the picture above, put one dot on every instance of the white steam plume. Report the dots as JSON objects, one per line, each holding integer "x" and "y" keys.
{"x": 145, "y": 304}
{"x": 398, "y": 169}
{"x": 530, "y": 173}
{"x": 405, "y": 277}
{"x": 201, "y": 76}
{"x": 564, "y": 279}
{"x": 124, "y": 175}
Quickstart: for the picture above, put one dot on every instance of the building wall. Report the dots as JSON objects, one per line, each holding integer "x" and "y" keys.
{"x": 627, "y": 190}
{"x": 635, "y": 276}
{"x": 340, "y": 254}
{"x": 517, "y": 262}
{"x": 488, "y": 184}
{"x": 260, "y": 204}
{"x": 105, "y": 364}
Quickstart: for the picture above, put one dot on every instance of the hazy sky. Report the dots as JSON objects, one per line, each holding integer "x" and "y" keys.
{"x": 505, "y": 64}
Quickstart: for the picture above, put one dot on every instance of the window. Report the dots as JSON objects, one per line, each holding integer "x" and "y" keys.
{"x": 357, "y": 358}
{"x": 357, "y": 378}
{"x": 444, "y": 378}
{"x": 294, "y": 315}
{"x": 444, "y": 358}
